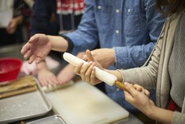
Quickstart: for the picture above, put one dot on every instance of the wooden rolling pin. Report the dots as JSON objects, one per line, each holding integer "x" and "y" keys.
{"x": 19, "y": 86}
{"x": 20, "y": 91}
{"x": 100, "y": 74}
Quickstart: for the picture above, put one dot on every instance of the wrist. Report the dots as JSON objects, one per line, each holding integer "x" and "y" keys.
{"x": 50, "y": 39}
{"x": 41, "y": 66}
{"x": 57, "y": 43}
{"x": 150, "y": 111}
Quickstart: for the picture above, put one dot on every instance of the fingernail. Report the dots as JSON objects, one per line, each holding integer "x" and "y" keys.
{"x": 126, "y": 84}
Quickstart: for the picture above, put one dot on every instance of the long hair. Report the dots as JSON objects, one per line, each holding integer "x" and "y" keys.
{"x": 170, "y": 6}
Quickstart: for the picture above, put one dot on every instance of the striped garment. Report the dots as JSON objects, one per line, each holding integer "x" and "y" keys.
{"x": 69, "y": 6}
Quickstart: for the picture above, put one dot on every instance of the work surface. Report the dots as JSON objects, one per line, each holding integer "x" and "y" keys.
{"x": 72, "y": 106}
{"x": 82, "y": 103}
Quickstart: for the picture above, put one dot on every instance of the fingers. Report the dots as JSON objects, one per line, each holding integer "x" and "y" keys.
{"x": 131, "y": 89}
{"x": 25, "y": 49}
{"x": 34, "y": 38}
{"x": 88, "y": 72}
{"x": 89, "y": 55}
{"x": 77, "y": 69}
{"x": 128, "y": 97}
{"x": 138, "y": 88}
{"x": 84, "y": 70}
{"x": 146, "y": 92}
{"x": 31, "y": 59}
{"x": 50, "y": 80}
{"x": 27, "y": 54}
{"x": 92, "y": 77}
{"x": 141, "y": 89}
{"x": 37, "y": 59}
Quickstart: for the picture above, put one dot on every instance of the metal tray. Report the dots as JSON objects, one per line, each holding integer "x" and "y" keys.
{"x": 24, "y": 106}
{"x": 56, "y": 119}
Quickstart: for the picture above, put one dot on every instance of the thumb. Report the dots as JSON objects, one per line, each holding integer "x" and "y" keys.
{"x": 89, "y": 55}
{"x": 33, "y": 39}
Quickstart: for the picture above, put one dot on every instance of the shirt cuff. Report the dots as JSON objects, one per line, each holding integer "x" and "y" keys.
{"x": 121, "y": 58}
{"x": 70, "y": 43}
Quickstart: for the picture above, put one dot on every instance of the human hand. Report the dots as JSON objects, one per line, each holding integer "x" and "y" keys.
{"x": 141, "y": 89}
{"x": 138, "y": 99}
{"x": 66, "y": 74}
{"x": 36, "y": 48}
{"x": 105, "y": 56}
{"x": 13, "y": 24}
{"x": 46, "y": 77}
{"x": 87, "y": 71}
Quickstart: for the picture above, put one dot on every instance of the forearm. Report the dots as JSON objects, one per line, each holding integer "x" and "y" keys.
{"x": 58, "y": 43}
{"x": 159, "y": 114}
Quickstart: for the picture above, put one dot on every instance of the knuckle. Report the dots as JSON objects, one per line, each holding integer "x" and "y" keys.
{"x": 82, "y": 72}
{"x": 87, "y": 75}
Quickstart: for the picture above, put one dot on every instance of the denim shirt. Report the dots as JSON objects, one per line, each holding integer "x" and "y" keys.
{"x": 131, "y": 27}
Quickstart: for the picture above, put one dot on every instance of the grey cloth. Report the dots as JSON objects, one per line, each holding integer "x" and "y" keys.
{"x": 177, "y": 64}
{"x": 155, "y": 72}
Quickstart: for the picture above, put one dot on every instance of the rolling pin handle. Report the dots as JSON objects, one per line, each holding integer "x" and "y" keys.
{"x": 120, "y": 85}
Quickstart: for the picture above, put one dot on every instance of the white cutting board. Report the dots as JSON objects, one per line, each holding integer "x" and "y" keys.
{"x": 82, "y": 103}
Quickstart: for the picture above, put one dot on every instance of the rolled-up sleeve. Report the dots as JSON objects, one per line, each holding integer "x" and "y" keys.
{"x": 135, "y": 56}
{"x": 146, "y": 75}
{"x": 86, "y": 36}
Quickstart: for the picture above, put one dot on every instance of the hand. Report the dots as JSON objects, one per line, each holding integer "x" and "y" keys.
{"x": 141, "y": 89}
{"x": 138, "y": 99}
{"x": 87, "y": 71}
{"x": 13, "y": 24}
{"x": 36, "y": 48}
{"x": 66, "y": 74}
{"x": 104, "y": 56}
{"x": 46, "y": 77}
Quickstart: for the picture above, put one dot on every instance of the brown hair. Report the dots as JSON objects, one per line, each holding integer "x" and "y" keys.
{"x": 170, "y": 6}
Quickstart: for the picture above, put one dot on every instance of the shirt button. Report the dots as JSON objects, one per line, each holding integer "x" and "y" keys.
{"x": 117, "y": 31}
{"x": 99, "y": 7}
{"x": 128, "y": 10}
{"x": 117, "y": 89}
{"x": 117, "y": 10}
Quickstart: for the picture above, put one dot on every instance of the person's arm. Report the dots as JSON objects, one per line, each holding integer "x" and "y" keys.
{"x": 86, "y": 36}
{"x": 147, "y": 75}
{"x": 67, "y": 73}
{"x": 135, "y": 56}
{"x": 145, "y": 105}
{"x": 40, "y": 45}
{"x": 41, "y": 13}
{"x": 44, "y": 75}
{"x": 105, "y": 56}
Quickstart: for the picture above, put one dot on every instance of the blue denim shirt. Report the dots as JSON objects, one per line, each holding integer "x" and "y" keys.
{"x": 131, "y": 27}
